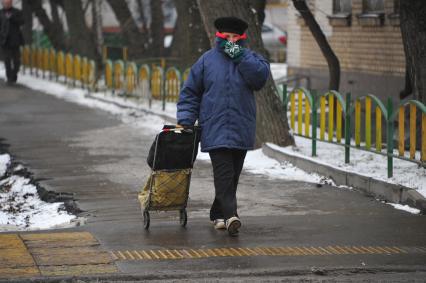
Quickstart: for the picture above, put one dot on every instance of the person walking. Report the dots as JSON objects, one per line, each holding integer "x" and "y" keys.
{"x": 219, "y": 94}
{"x": 11, "y": 39}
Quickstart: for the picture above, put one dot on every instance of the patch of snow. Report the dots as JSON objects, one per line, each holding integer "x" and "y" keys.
{"x": 258, "y": 163}
{"x": 405, "y": 208}
{"x": 22, "y": 209}
{"x": 362, "y": 162}
{"x": 4, "y": 163}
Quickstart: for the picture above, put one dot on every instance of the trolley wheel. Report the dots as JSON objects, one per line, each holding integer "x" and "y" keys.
{"x": 146, "y": 219}
{"x": 183, "y": 217}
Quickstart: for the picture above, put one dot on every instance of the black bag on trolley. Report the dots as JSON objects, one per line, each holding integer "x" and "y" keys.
{"x": 176, "y": 149}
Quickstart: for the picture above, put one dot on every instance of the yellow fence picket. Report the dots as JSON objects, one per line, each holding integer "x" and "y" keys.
{"x": 378, "y": 129}
{"x": 144, "y": 81}
{"x": 330, "y": 117}
{"x": 357, "y": 123}
{"x": 172, "y": 84}
{"x": 401, "y": 131}
{"x": 299, "y": 112}
{"x": 368, "y": 122}
{"x": 69, "y": 70}
{"x": 118, "y": 75}
{"x": 413, "y": 113}
{"x": 322, "y": 117}
{"x": 156, "y": 82}
{"x": 338, "y": 122}
{"x": 109, "y": 81}
{"x": 131, "y": 78}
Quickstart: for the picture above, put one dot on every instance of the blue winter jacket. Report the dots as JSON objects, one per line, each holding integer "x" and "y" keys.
{"x": 219, "y": 93}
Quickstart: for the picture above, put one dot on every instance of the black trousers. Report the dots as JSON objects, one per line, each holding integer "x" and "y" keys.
{"x": 227, "y": 166}
{"x": 12, "y": 61}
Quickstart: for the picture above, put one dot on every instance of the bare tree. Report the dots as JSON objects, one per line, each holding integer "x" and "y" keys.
{"x": 413, "y": 28}
{"x": 52, "y": 28}
{"x": 97, "y": 24}
{"x": 157, "y": 28}
{"x": 80, "y": 36}
{"x": 185, "y": 47}
{"x": 28, "y": 21}
{"x": 272, "y": 125}
{"x": 141, "y": 10}
{"x": 327, "y": 51}
{"x": 137, "y": 42}
{"x": 259, "y": 6}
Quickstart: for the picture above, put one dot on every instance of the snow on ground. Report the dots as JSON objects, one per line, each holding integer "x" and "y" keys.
{"x": 258, "y": 163}
{"x": 362, "y": 162}
{"x": 20, "y": 205}
{"x": 4, "y": 163}
{"x": 405, "y": 208}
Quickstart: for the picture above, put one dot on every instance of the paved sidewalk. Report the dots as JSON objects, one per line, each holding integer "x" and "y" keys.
{"x": 289, "y": 228}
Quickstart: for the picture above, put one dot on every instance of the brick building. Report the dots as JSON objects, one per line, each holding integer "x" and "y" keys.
{"x": 366, "y": 37}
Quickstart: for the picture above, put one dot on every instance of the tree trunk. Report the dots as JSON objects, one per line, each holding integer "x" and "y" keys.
{"x": 53, "y": 30}
{"x": 97, "y": 24}
{"x": 259, "y": 6}
{"x": 141, "y": 10}
{"x": 413, "y": 28}
{"x": 137, "y": 42}
{"x": 327, "y": 51}
{"x": 188, "y": 48}
{"x": 157, "y": 28}
{"x": 28, "y": 21}
{"x": 271, "y": 123}
{"x": 81, "y": 39}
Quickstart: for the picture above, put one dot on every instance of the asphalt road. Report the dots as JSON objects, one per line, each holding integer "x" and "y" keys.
{"x": 100, "y": 158}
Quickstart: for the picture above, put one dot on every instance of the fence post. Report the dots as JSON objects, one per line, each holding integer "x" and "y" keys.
{"x": 284, "y": 96}
{"x": 163, "y": 92}
{"x": 389, "y": 137}
{"x": 314, "y": 122}
{"x": 348, "y": 128}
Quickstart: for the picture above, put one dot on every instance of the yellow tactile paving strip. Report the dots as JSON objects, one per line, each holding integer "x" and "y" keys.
{"x": 52, "y": 254}
{"x": 165, "y": 254}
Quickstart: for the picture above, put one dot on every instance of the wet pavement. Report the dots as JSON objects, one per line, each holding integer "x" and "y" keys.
{"x": 290, "y": 229}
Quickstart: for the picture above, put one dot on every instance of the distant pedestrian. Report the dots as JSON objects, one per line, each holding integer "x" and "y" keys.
{"x": 219, "y": 93}
{"x": 11, "y": 39}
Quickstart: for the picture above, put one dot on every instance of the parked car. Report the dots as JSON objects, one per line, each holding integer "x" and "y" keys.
{"x": 275, "y": 41}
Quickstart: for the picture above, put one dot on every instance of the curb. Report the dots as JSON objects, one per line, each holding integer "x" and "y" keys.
{"x": 379, "y": 189}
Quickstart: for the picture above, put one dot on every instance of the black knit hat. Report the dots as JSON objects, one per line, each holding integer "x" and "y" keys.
{"x": 231, "y": 24}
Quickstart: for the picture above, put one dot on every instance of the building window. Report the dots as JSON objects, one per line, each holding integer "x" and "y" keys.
{"x": 342, "y": 6}
{"x": 373, "y": 13}
{"x": 394, "y": 17}
{"x": 342, "y": 13}
{"x": 396, "y": 6}
{"x": 373, "y": 6}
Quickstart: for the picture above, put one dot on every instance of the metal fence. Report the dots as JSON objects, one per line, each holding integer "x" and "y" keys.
{"x": 351, "y": 123}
